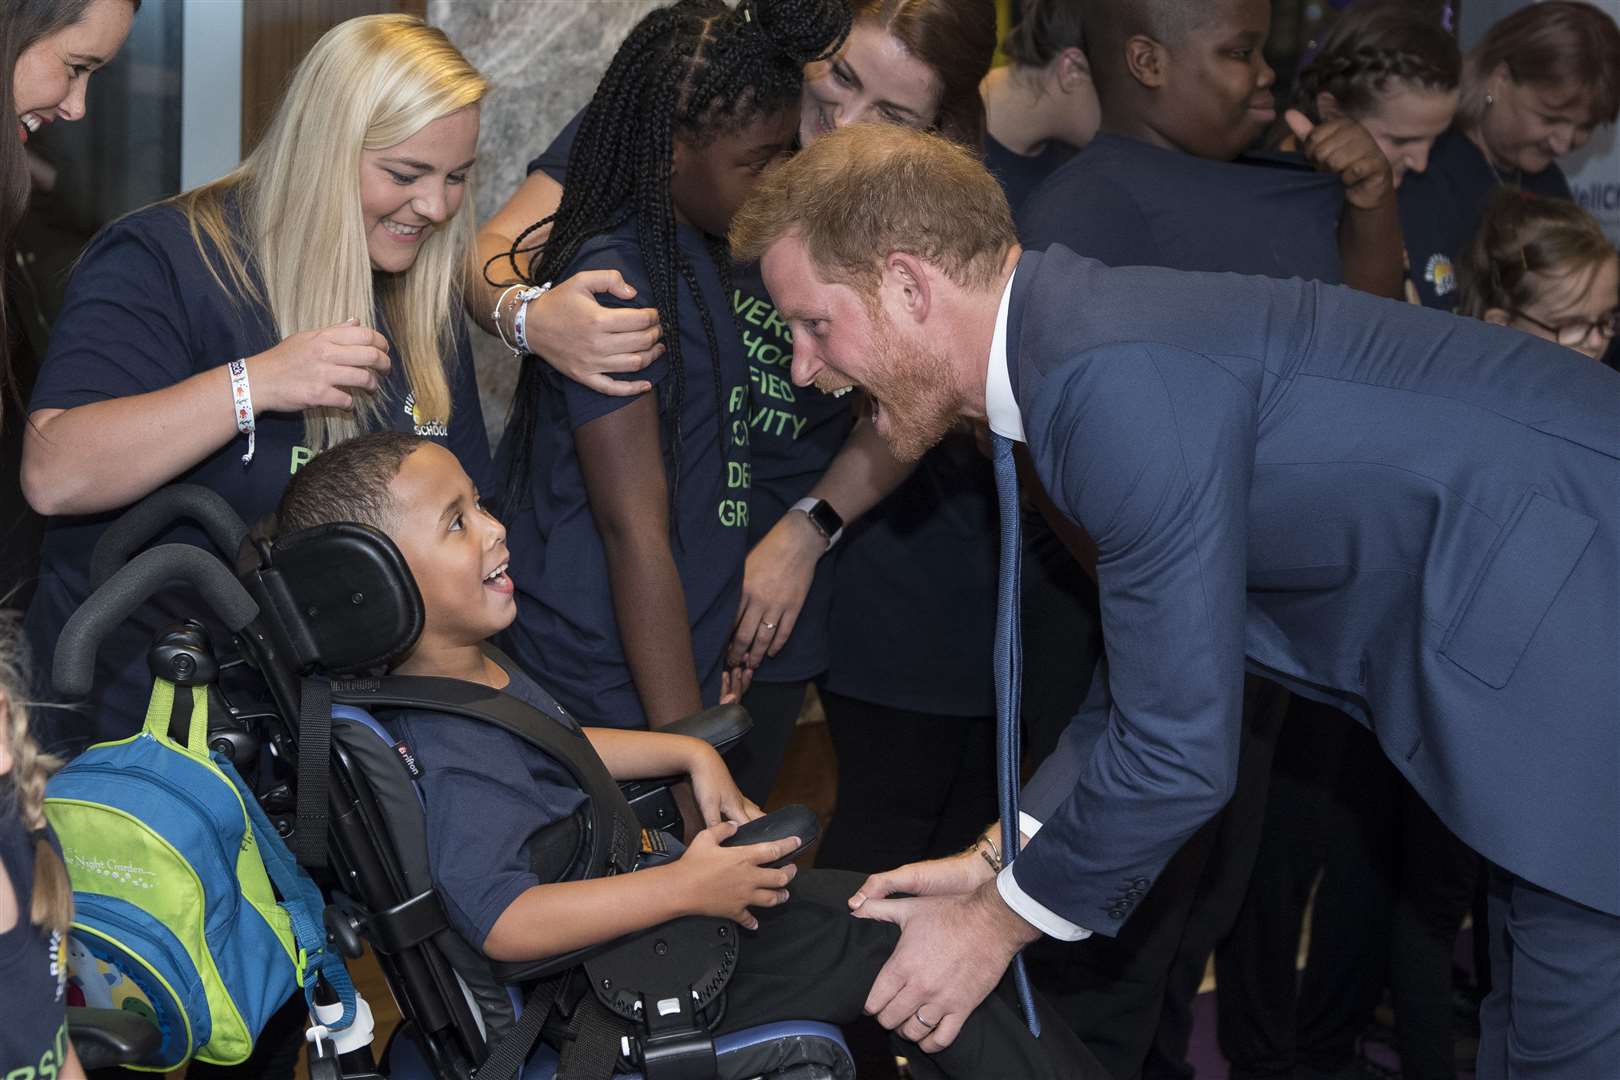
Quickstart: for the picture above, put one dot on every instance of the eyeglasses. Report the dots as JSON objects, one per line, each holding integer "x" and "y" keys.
{"x": 1573, "y": 334}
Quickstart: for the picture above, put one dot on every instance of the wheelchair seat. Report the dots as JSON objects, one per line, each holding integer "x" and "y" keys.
{"x": 336, "y": 605}
{"x": 454, "y": 999}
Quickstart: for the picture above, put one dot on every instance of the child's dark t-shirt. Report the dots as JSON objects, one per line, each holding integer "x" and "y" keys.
{"x": 485, "y": 792}
{"x": 1441, "y": 208}
{"x": 143, "y": 313}
{"x": 1127, "y": 203}
{"x": 1021, "y": 174}
{"x": 33, "y": 964}
{"x": 567, "y": 632}
{"x": 794, "y": 431}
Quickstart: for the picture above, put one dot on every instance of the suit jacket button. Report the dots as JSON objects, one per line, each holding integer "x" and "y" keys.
{"x": 1141, "y": 883}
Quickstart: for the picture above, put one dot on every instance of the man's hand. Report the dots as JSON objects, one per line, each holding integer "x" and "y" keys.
{"x": 950, "y": 876}
{"x": 953, "y": 951}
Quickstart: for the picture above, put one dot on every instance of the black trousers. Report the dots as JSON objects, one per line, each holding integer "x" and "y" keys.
{"x": 911, "y": 785}
{"x": 756, "y": 761}
{"x": 1394, "y": 886}
{"x": 812, "y": 960}
{"x": 1115, "y": 992}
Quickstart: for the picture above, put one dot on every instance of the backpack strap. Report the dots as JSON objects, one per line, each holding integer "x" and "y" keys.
{"x": 314, "y": 766}
{"x": 303, "y": 903}
{"x": 160, "y": 715}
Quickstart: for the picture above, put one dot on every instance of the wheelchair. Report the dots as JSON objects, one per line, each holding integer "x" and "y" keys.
{"x": 313, "y": 621}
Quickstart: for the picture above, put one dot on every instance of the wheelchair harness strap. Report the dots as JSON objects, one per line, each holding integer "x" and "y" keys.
{"x": 614, "y": 833}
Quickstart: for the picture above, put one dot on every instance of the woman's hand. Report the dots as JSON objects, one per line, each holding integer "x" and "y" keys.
{"x": 776, "y": 579}
{"x": 589, "y": 343}
{"x": 725, "y": 882}
{"x": 319, "y": 369}
{"x": 1345, "y": 147}
{"x": 715, "y": 792}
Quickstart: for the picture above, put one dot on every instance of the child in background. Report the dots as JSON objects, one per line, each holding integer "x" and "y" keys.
{"x": 486, "y": 793}
{"x": 36, "y": 901}
{"x": 631, "y": 513}
{"x": 1543, "y": 266}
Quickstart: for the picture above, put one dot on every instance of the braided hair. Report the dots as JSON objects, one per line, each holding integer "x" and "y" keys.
{"x": 693, "y": 70}
{"x": 1373, "y": 46}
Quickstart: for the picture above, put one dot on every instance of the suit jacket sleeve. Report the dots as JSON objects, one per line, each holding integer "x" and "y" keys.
{"x": 1150, "y": 448}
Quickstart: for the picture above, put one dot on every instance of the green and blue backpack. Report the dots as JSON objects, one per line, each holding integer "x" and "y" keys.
{"x": 172, "y": 862}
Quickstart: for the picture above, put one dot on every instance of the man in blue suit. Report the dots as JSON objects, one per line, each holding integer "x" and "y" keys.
{"x": 1412, "y": 516}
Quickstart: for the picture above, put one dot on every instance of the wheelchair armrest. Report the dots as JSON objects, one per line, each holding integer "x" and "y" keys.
{"x": 720, "y": 726}
{"x": 523, "y": 971}
{"x": 104, "y": 1038}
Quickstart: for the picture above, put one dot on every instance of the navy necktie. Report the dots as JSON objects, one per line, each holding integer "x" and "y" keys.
{"x": 1009, "y": 661}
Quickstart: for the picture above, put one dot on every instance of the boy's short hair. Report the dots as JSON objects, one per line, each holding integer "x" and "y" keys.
{"x": 348, "y": 482}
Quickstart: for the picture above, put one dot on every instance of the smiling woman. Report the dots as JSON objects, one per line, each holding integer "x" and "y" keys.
{"x": 51, "y": 48}
{"x": 230, "y": 334}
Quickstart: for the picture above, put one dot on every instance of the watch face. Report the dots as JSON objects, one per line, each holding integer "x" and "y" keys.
{"x": 826, "y": 519}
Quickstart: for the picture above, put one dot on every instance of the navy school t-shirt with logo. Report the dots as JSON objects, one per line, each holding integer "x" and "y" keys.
{"x": 567, "y": 633}
{"x": 794, "y": 431}
{"x": 33, "y": 964}
{"x": 1441, "y": 208}
{"x": 142, "y": 313}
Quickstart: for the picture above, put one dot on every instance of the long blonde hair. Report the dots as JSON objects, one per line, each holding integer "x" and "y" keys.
{"x": 368, "y": 83}
{"x": 51, "y": 906}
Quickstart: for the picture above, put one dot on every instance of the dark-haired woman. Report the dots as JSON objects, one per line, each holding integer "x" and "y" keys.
{"x": 1535, "y": 89}
{"x": 1041, "y": 106}
{"x": 814, "y": 469}
{"x": 51, "y": 48}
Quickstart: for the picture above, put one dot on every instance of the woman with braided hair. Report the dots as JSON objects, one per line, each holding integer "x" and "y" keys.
{"x": 1392, "y": 68}
{"x": 629, "y": 514}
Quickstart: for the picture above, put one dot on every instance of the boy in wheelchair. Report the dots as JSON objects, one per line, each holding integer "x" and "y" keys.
{"x": 498, "y": 809}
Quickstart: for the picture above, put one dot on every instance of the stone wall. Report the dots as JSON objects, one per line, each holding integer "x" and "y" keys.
{"x": 544, "y": 57}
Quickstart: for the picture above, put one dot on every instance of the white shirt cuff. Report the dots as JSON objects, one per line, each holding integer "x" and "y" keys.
{"x": 1030, "y": 909}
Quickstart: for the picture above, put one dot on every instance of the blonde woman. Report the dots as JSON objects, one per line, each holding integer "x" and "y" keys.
{"x": 226, "y": 336}
{"x": 36, "y": 902}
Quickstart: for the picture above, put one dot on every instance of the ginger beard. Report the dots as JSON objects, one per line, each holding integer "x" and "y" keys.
{"x": 908, "y": 389}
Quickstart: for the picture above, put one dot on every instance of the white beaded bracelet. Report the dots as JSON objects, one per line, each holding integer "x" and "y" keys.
{"x": 242, "y": 401}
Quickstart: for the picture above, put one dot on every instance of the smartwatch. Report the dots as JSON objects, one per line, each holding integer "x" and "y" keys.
{"x": 823, "y": 517}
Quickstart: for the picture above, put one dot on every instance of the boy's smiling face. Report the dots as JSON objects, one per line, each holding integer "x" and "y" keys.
{"x": 456, "y": 550}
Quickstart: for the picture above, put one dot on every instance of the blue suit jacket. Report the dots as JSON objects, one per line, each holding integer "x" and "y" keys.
{"x": 1413, "y": 516}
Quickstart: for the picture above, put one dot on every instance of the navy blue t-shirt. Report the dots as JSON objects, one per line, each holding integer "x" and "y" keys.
{"x": 914, "y": 616}
{"x": 33, "y": 963}
{"x": 485, "y": 793}
{"x": 1128, "y": 203}
{"x": 142, "y": 313}
{"x": 795, "y": 431}
{"x": 1441, "y": 208}
{"x": 1020, "y": 174}
{"x": 566, "y": 633}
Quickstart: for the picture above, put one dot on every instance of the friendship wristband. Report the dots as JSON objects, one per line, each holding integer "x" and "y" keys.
{"x": 242, "y": 401}
{"x": 521, "y": 319}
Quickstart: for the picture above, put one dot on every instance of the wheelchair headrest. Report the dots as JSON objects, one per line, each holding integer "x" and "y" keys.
{"x": 339, "y": 597}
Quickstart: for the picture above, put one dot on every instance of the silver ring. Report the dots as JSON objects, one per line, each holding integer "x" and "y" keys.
{"x": 918, "y": 1017}
{"x": 767, "y": 625}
